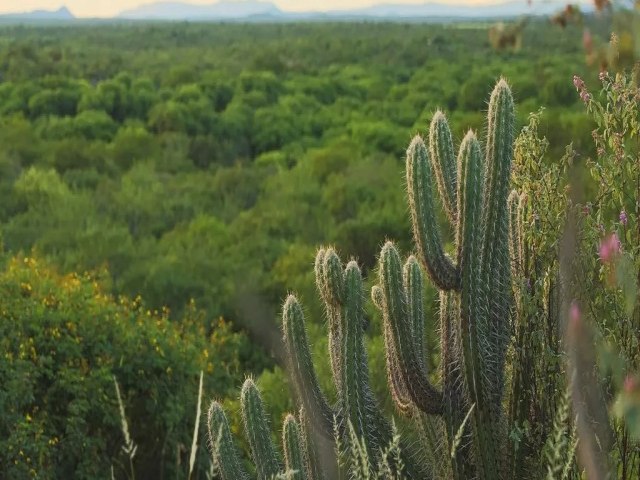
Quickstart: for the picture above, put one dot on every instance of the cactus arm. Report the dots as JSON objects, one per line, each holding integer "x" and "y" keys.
{"x": 398, "y": 389}
{"x": 425, "y": 226}
{"x": 399, "y": 392}
{"x": 496, "y": 265}
{"x": 330, "y": 283}
{"x": 377, "y": 431}
{"x": 462, "y": 332}
{"x": 223, "y": 451}
{"x": 258, "y": 432}
{"x": 443, "y": 162}
{"x": 473, "y": 328}
{"x": 414, "y": 288}
{"x": 334, "y": 282}
{"x": 301, "y": 367}
{"x": 354, "y": 362}
{"x": 423, "y": 394}
{"x": 293, "y": 449}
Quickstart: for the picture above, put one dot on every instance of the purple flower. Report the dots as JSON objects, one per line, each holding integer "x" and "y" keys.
{"x": 585, "y": 96}
{"x": 623, "y": 217}
{"x": 578, "y": 82}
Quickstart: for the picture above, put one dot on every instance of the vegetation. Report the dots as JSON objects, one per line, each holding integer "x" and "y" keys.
{"x": 198, "y": 167}
{"x": 65, "y": 340}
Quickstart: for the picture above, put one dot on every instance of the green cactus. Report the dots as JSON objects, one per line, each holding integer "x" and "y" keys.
{"x": 225, "y": 454}
{"x": 263, "y": 451}
{"x": 293, "y": 449}
{"x": 475, "y": 327}
{"x": 356, "y": 413}
{"x": 476, "y": 298}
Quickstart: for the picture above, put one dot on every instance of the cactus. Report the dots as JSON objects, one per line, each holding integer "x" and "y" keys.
{"x": 356, "y": 413}
{"x": 263, "y": 451}
{"x": 476, "y": 297}
{"x": 475, "y": 327}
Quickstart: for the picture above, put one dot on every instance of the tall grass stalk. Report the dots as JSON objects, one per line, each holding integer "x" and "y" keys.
{"x": 129, "y": 446}
{"x": 194, "y": 443}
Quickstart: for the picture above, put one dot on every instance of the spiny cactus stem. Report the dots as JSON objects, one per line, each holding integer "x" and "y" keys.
{"x": 395, "y": 380}
{"x": 221, "y": 444}
{"x": 302, "y": 369}
{"x": 330, "y": 282}
{"x": 413, "y": 286}
{"x": 258, "y": 432}
{"x": 353, "y": 358}
{"x": 423, "y": 394}
{"x": 425, "y": 224}
{"x": 399, "y": 393}
{"x": 473, "y": 326}
{"x": 443, "y": 161}
{"x": 293, "y": 449}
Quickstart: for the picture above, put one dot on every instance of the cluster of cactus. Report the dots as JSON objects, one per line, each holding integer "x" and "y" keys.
{"x": 475, "y": 327}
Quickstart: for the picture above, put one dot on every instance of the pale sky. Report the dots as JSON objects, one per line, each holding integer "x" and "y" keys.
{"x": 108, "y": 8}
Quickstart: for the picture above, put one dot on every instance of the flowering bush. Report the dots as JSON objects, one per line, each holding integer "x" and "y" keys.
{"x": 63, "y": 340}
{"x": 607, "y": 268}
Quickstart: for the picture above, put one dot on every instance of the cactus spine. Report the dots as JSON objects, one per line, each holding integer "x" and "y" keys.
{"x": 475, "y": 326}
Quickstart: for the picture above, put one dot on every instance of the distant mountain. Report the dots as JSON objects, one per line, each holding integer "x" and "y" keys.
{"x": 262, "y": 10}
{"x": 430, "y": 10}
{"x": 223, "y": 10}
{"x": 62, "y": 13}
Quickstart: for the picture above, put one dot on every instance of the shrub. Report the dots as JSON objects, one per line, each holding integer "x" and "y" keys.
{"x": 64, "y": 340}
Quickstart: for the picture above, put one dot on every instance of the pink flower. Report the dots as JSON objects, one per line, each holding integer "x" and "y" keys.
{"x": 623, "y": 217}
{"x": 585, "y": 96}
{"x": 609, "y": 248}
{"x": 581, "y": 88}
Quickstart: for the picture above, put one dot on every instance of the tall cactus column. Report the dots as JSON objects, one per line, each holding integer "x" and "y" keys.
{"x": 476, "y": 294}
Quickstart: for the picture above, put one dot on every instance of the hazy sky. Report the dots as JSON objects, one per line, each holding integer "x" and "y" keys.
{"x": 106, "y": 8}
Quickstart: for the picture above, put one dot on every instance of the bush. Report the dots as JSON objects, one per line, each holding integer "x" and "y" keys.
{"x": 64, "y": 340}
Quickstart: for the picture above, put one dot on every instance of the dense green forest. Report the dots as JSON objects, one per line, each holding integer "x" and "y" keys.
{"x": 209, "y": 161}
{"x": 164, "y": 186}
